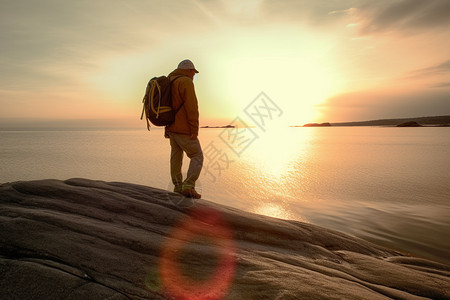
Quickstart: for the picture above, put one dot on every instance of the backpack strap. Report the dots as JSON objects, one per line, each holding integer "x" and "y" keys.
{"x": 147, "y": 91}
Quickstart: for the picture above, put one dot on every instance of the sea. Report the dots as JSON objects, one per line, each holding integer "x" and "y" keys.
{"x": 387, "y": 185}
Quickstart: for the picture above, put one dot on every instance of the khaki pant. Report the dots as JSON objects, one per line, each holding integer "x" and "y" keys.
{"x": 183, "y": 143}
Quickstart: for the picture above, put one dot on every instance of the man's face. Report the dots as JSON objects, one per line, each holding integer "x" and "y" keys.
{"x": 191, "y": 73}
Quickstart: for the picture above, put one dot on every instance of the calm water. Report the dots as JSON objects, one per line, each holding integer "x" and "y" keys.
{"x": 387, "y": 185}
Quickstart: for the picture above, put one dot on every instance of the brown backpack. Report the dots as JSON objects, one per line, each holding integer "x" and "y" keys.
{"x": 157, "y": 102}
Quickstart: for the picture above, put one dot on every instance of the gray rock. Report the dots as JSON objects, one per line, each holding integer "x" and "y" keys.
{"x": 84, "y": 239}
{"x": 409, "y": 124}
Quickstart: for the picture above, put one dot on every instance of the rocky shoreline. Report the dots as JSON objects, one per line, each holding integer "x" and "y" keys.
{"x": 86, "y": 239}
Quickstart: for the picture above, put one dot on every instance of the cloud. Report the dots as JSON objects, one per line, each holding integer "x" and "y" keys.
{"x": 406, "y": 15}
{"x": 314, "y": 13}
{"x": 441, "y": 85}
{"x": 348, "y": 11}
{"x": 436, "y": 76}
{"x": 372, "y": 17}
{"x": 368, "y": 105}
{"x": 51, "y": 40}
{"x": 439, "y": 69}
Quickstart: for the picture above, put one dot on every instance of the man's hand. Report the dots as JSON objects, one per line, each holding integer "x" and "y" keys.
{"x": 193, "y": 136}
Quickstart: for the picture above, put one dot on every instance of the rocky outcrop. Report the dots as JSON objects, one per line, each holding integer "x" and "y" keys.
{"x": 409, "y": 124}
{"x": 427, "y": 121}
{"x": 84, "y": 239}
{"x": 317, "y": 125}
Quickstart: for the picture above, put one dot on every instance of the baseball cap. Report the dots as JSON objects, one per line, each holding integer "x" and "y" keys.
{"x": 187, "y": 65}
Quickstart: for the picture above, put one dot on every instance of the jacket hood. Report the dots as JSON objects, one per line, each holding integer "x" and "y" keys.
{"x": 178, "y": 72}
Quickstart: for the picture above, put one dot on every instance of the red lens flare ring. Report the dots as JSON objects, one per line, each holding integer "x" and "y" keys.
{"x": 208, "y": 223}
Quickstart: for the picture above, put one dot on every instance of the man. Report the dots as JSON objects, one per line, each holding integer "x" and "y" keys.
{"x": 183, "y": 131}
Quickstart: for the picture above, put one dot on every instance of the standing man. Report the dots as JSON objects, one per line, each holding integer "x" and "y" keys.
{"x": 183, "y": 132}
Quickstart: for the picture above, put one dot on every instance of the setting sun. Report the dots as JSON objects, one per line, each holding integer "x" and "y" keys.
{"x": 295, "y": 73}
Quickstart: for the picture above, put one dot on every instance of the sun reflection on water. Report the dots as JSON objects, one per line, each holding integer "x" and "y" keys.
{"x": 273, "y": 210}
{"x": 268, "y": 169}
{"x": 277, "y": 150}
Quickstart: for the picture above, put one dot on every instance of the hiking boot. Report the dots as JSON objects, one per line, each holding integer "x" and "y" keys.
{"x": 178, "y": 189}
{"x": 191, "y": 193}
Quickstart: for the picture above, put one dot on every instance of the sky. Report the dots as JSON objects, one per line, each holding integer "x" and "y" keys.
{"x": 317, "y": 60}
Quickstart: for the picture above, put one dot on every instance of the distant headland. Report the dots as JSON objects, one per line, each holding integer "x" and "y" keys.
{"x": 317, "y": 125}
{"x": 435, "y": 121}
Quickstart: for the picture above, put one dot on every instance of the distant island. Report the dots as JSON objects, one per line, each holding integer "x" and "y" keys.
{"x": 436, "y": 121}
{"x": 317, "y": 125}
{"x": 227, "y": 126}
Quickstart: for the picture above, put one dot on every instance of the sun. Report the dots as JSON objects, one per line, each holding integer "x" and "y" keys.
{"x": 297, "y": 86}
{"x": 296, "y": 74}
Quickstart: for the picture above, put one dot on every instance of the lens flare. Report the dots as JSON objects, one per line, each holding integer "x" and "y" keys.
{"x": 202, "y": 223}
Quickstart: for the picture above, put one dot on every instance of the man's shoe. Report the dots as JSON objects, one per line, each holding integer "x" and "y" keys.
{"x": 192, "y": 193}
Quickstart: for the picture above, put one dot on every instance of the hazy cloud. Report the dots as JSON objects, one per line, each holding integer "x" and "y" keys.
{"x": 370, "y": 16}
{"x": 441, "y": 85}
{"x": 409, "y": 15}
{"x": 317, "y": 13}
{"x": 439, "y": 69}
{"x": 51, "y": 39}
{"x": 348, "y": 11}
{"x": 369, "y": 105}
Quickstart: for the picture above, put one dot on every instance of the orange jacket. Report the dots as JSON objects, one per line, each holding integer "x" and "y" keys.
{"x": 186, "y": 120}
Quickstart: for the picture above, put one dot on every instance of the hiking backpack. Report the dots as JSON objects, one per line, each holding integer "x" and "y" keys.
{"x": 157, "y": 102}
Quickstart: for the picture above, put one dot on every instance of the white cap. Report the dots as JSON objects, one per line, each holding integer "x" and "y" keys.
{"x": 187, "y": 65}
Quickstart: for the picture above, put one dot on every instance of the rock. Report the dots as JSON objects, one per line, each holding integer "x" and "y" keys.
{"x": 317, "y": 125}
{"x": 409, "y": 124}
{"x": 226, "y": 126}
{"x": 84, "y": 239}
